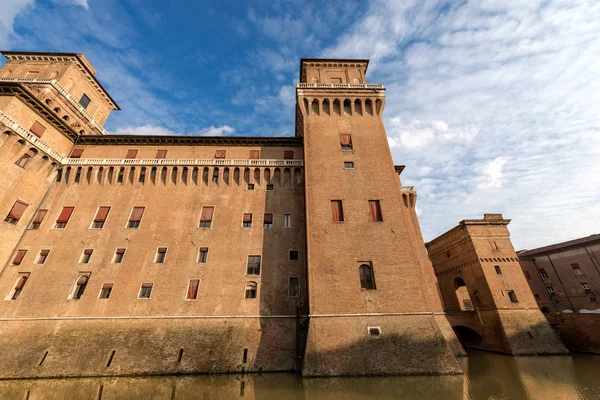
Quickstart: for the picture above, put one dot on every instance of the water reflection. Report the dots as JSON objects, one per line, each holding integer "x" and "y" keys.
{"x": 487, "y": 376}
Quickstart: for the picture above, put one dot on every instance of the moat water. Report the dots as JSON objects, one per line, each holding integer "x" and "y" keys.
{"x": 487, "y": 376}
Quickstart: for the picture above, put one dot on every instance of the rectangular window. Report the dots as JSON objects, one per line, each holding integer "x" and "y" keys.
{"x": 80, "y": 285}
{"x": 145, "y": 291}
{"x": 550, "y": 290}
{"x": 375, "y": 211}
{"x": 254, "y": 154}
{"x": 161, "y": 254}
{"x": 251, "y": 186}
{"x": 119, "y": 255}
{"x": 37, "y": 221}
{"x": 253, "y": 265}
{"x": 192, "y": 292}
{"x": 268, "y": 220}
{"x": 287, "y": 220}
{"x": 161, "y": 154}
{"x": 337, "y": 211}
{"x": 537, "y": 296}
{"x": 63, "y": 217}
{"x": 19, "y": 257}
{"x": 85, "y": 256}
{"x": 288, "y": 154}
{"x": 294, "y": 289}
{"x": 43, "y": 256}
{"x": 37, "y": 129}
{"x": 76, "y": 153}
{"x": 121, "y": 175}
{"x": 131, "y": 153}
{"x": 220, "y": 153}
{"x": 270, "y": 187}
{"x": 250, "y": 292}
{"x": 84, "y": 101}
{"x": 22, "y": 162}
{"x": 294, "y": 255}
{"x": 203, "y": 255}
{"x": 348, "y": 165}
{"x": 556, "y": 301}
{"x": 585, "y": 286}
{"x": 346, "y": 142}
{"x": 498, "y": 270}
{"x": 527, "y": 275}
{"x": 142, "y": 178}
{"x": 576, "y": 269}
{"x": 247, "y": 220}
{"x": 16, "y": 212}
{"x": 543, "y": 273}
{"x": 18, "y": 286}
{"x": 136, "y": 217}
{"x": 512, "y": 296}
{"x": 100, "y": 217}
{"x": 206, "y": 217}
{"x": 105, "y": 291}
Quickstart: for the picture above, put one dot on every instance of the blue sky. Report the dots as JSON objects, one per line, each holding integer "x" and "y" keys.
{"x": 492, "y": 105}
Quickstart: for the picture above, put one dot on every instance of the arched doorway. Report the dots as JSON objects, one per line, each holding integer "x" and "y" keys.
{"x": 467, "y": 336}
{"x": 462, "y": 295}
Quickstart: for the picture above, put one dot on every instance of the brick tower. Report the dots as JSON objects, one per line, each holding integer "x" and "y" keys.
{"x": 374, "y": 308}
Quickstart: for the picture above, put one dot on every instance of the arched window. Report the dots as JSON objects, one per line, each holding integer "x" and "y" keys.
{"x": 367, "y": 278}
{"x": 80, "y": 285}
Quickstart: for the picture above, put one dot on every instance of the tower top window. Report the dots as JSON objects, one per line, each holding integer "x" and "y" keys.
{"x": 85, "y": 101}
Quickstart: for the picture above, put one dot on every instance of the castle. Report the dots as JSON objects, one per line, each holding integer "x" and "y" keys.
{"x": 133, "y": 254}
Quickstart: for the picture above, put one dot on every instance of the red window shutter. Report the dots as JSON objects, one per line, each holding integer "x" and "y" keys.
{"x": 40, "y": 216}
{"x": 162, "y": 249}
{"x": 44, "y": 252}
{"x": 102, "y": 214}
{"x": 19, "y": 257}
{"x": 37, "y": 129}
{"x": 83, "y": 280}
{"x": 65, "y": 214}
{"x": 375, "y": 210}
{"x": 337, "y": 213}
{"x": 220, "y": 153}
{"x": 254, "y": 154}
{"x": 203, "y": 249}
{"x": 207, "y": 214}
{"x": 136, "y": 214}
{"x": 107, "y": 286}
{"x": 268, "y": 218}
{"x": 288, "y": 155}
{"x": 17, "y": 210}
{"x": 247, "y": 217}
{"x": 21, "y": 283}
{"x": 131, "y": 153}
{"x": 146, "y": 285}
{"x": 76, "y": 153}
{"x": 120, "y": 251}
{"x": 161, "y": 153}
{"x": 346, "y": 140}
{"x": 88, "y": 251}
{"x": 193, "y": 289}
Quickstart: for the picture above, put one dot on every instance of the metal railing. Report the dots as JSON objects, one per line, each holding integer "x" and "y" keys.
{"x": 54, "y": 83}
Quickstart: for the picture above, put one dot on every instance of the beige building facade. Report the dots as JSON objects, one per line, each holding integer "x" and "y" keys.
{"x": 163, "y": 254}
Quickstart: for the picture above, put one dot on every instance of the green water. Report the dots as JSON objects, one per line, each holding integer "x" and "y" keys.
{"x": 487, "y": 376}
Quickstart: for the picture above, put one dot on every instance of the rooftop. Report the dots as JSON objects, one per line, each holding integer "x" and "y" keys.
{"x": 558, "y": 247}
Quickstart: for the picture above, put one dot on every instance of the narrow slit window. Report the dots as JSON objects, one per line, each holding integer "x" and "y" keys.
{"x": 145, "y": 291}
{"x": 63, "y": 217}
{"x": 136, "y": 217}
{"x": 161, "y": 254}
{"x": 294, "y": 288}
{"x": 203, "y": 255}
{"x": 43, "y": 256}
{"x": 206, "y": 217}
{"x": 287, "y": 220}
{"x": 346, "y": 142}
{"x": 337, "y": 211}
{"x": 512, "y": 296}
{"x": 119, "y": 255}
{"x": 19, "y": 257}
{"x": 22, "y": 162}
{"x": 253, "y": 265}
{"x": 543, "y": 273}
{"x": 550, "y": 290}
{"x": 100, "y": 217}
{"x": 105, "y": 291}
{"x": 375, "y": 211}
{"x": 247, "y": 220}
{"x": 268, "y": 220}
{"x": 16, "y": 212}
{"x": 86, "y": 256}
{"x": 37, "y": 221}
{"x": 192, "y": 292}
{"x": 250, "y": 290}
{"x": 498, "y": 269}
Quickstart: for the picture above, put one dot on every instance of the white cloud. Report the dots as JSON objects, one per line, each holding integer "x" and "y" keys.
{"x": 493, "y": 107}
{"x": 217, "y": 131}
{"x": 143, "y": 130}
{"x": 10, "y": 9}
{"x": 82, "y": 3}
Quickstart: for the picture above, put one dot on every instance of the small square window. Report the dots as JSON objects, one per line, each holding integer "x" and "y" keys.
{"x": 119, "y": 255}
{"x": 294, "y": 255}
{"x": 247, "y": 220}
{"x": 498, "y": 270}
{"x": 161, "y": 254}
{"x": 85, "y": 256}
{"x": 203, "y": 255}
{"x": 145, "y": 291}
{"x": 374, "y": 331}
{"x": 348, "y": 165}
{"x": 251, "y": 186}
{"x": 270, "y": 187}
{"x": 105, "y": 291}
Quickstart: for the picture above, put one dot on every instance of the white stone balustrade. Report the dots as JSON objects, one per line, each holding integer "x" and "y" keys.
{"x": 339, "y": 86}
{"x": 30, "y": 137}
{"x": 408, "y": 189}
